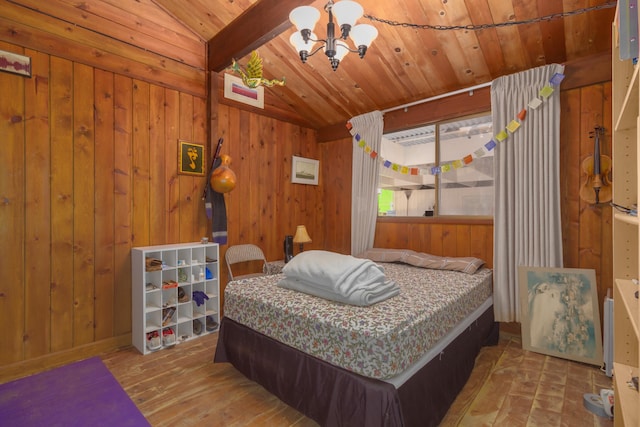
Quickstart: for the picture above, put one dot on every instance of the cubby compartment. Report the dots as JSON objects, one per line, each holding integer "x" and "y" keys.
{"x": 153, "y": 321}
{"x": 153, "y": 301}
{"x": 165, "y": 298}
{"x": 185, "y": 312}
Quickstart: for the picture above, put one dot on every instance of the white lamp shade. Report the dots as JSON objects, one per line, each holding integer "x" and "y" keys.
{"x": 363, "y": 34}
{"x": 341, "y": 50}
{"x": 347, "y": 12}
{"x": 298, "y": 42}
{"x": 304, "y": 17}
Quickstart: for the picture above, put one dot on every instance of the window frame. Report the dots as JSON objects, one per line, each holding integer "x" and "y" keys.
{"x": 437, "y": 216}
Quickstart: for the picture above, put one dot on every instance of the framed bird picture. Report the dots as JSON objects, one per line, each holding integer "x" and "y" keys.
{"x": 235, "y": 90}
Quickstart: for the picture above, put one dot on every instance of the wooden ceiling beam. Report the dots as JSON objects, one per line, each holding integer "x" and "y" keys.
{"x": 263, "y": 21}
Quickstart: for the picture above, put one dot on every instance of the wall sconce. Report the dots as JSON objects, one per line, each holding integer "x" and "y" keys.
{"x": 301, "y": 236}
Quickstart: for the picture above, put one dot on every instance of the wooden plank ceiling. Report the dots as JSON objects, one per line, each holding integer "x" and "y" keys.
{"x": 404, "y": 64}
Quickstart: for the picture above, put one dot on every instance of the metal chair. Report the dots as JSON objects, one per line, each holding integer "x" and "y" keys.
{"x": 244, "y": 253}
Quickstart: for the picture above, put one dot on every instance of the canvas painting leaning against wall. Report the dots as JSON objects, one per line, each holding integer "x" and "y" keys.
{"x": 559, "y": 313}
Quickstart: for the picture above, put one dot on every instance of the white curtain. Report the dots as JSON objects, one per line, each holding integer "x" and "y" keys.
{"x": 527, "y": 223}
{"x": 364, "y": 182}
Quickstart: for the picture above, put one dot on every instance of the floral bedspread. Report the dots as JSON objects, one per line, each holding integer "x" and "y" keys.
{"x": 378, "y": 341}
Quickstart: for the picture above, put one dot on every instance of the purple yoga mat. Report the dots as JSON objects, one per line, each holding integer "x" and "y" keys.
{"x": 80, "y": 394}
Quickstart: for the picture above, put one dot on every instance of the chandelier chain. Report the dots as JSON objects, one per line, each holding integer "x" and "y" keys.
{"x": 473, "y": 27}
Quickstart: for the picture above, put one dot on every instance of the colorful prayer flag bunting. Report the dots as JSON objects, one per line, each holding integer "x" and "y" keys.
{"x": 534, "y": 103}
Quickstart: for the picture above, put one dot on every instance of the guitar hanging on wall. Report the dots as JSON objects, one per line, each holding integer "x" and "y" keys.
{"x": 597, "y": 168}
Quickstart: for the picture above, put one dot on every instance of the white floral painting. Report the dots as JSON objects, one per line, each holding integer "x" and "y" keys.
{"x": 559, "y": 313}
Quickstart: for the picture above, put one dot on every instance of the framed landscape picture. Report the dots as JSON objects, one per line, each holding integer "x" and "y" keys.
{"x": 304, "y": 171}
{"x": 559, "y": 313}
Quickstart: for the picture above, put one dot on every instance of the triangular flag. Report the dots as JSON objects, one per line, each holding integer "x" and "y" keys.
{"x": 556, "y": 79}
{"x": 535, "y": 103}
{"x": 546, "y": 91}
{"x": 522, "y": 114}
{"x": 513, "y": 126}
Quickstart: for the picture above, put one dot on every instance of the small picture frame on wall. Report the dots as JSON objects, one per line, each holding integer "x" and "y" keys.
{"x": 559, "y": 313}
{"x": 235, "y": 90}
{"x": 191, "y": 158}
{"x": 304, "y": 171}
{"x": 14, "y": 63}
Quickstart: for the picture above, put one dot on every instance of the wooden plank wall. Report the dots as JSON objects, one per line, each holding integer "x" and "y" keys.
{"x": 586, "y": 229}
{"x": 265, "y": 205}
{"x": 89, "y": 169}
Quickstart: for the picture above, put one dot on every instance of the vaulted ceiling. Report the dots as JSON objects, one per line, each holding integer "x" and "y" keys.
{"x": 479, "y": 40}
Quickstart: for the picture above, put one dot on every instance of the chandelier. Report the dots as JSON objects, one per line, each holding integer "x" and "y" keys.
{"x": 346, "y": 13}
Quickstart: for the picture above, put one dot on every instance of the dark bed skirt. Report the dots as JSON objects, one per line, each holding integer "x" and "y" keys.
{"x": 333, "y": 396}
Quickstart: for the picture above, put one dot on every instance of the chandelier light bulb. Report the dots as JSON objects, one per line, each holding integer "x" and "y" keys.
{"x": 363, "y": 35}
{"x": 347, "y": 13}
{"x": 304, "y": 17}
{"x": 303, "y": 47}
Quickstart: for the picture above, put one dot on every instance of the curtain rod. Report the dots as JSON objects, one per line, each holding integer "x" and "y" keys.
{"x": 433, "y": 98}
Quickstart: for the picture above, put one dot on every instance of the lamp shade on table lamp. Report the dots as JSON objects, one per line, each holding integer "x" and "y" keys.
{"x": 301, "y": 237}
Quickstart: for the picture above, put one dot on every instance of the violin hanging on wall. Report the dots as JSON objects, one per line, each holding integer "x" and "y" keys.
{"x": 596, "y": 168}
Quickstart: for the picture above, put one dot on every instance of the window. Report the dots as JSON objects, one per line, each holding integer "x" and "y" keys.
{"x": 439, "y": 169}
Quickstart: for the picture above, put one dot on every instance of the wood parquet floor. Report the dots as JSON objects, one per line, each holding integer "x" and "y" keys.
{"x": 508, "y": 387}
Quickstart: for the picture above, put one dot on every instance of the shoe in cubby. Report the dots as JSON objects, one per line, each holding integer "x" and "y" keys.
{"x": 153, "y": 340}
{"x": 168, "y": 337}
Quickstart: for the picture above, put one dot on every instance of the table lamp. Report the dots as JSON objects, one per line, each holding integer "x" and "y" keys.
{"x": 301, "y": 236}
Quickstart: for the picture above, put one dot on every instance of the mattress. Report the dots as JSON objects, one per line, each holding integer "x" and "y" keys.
{"x": 380, "y": 341}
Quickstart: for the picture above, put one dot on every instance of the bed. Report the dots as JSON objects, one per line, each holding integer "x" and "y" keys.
{"x": 399, "y": 362}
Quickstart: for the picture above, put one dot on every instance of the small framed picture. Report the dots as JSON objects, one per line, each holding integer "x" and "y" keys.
{"x": 191, "y": 158}
{"x": 304, "y": 171}
{"x": 235, "y": 90}
{"x": 14, "y": 63}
